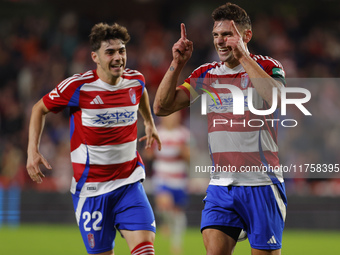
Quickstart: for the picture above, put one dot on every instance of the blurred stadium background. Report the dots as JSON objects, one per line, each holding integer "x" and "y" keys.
{"x": 43, "y": 42}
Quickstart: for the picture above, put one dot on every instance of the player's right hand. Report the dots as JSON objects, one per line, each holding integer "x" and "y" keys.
{"x": 183, "y": 48}
{"x": 33, "y": 169}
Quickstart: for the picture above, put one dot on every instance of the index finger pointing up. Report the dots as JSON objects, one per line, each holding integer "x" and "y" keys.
{"x": 234, "y": 28}
{"x": 183, "y": 31}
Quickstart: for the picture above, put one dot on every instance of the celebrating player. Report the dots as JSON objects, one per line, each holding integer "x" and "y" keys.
{"x": 254, "y": 202}
{"x": 106, "y": 186}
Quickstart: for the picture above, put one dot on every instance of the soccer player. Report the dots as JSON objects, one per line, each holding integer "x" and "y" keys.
{"x": 170, "y": 167}
{"x": 106, "y": 186}
{"x": 251, "y": 201}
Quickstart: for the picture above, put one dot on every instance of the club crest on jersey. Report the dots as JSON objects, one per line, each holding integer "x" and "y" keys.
{"x": 244, "y": 80}
{"x": 53, "y": 94}
{"x": 90, "y": 239}
{"x": 133, "y": 97}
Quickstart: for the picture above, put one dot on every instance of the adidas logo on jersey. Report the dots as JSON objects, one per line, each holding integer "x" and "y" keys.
{"x": 97, "y": 100}
{"x": 272, "y": 240}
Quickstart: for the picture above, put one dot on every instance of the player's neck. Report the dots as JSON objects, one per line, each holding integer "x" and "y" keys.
{"x": 109, "y": 79}
{"x": 232, "y": 64}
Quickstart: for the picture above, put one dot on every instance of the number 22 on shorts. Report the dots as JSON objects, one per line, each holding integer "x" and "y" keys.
{"x": 96, "y": 216}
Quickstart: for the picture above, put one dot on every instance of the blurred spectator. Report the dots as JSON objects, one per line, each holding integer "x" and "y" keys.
{"x": 11, "y": 172}
{"x": 170, "y": 178}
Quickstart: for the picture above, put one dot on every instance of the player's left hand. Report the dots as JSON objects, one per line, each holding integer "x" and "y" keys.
{"x": 183, "y": 48}
{"x": 34, "y": 160}
{"x": 151, "y": 135}
{"x": 236, "y": 43}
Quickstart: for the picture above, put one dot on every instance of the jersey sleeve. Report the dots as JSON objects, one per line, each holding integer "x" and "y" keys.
{"x": 134, "y": 74}
{"x": 194, "y": 85}
{"x": 272, "y": 67}
{"x": 142, "y": 82}
{"x": 190, "y": 91}
{"x": 66, "y": 94}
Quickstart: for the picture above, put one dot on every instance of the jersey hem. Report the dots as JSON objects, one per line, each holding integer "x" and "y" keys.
{"x": 92, "y": 189}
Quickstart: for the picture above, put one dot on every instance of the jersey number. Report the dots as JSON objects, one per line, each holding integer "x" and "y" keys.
{"x": 96, "y": 216}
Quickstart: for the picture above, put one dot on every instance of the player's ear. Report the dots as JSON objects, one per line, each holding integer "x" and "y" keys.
{"x": 247, "y": 35}
{"x": 95, "y": 57}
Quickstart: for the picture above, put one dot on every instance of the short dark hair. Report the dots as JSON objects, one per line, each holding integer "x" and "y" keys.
{"x": 103, "y": 32}
{"x": 233, "y": 12}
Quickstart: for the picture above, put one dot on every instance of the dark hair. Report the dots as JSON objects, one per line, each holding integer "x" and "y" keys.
{"x": 103, "y": 32}
{"x": 233, "y": 12}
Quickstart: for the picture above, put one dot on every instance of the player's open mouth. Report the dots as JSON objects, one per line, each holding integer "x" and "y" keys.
{"x": 116, "y": 67}
{"x": 223, "y": 50}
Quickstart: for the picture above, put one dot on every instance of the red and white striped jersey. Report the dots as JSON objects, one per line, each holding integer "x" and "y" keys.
{"x": 103, "y": 130}
{"x": 169, "y": 166}
{"x": 242, "y": 141}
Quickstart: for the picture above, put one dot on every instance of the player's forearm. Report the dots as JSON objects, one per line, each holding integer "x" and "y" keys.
{"x": 261, "y": 81}
{"x": 145, "y": 109}
{"x": 166, "y": 92}
{"x": 36, "y": 126}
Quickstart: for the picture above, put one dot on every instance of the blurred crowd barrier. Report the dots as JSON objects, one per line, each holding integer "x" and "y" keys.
{"x": 43, "y": 43}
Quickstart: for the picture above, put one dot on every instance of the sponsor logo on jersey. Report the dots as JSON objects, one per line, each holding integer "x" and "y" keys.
{"x": 133, "y": 97}
{"x": 115, "y": 117}
{"x": 90, "y": 239}
{"x": 53, "y": 94}
{"x": 227, "y": 104}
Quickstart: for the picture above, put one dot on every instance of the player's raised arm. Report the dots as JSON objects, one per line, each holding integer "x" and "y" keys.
{"x": 169, "y": 99}
{"x": 262, "y": 82}
{"x": 182, "y": 49}
{"x": 237, "y": 41}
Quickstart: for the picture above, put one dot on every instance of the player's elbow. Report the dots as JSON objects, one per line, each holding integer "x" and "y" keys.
{"x": 162, "y": 109}
{"x": 276, "y": 97}
{"x": 273, "y": 102}
{"x": 40, "y": 108}
{"x": 273, "y": 96}
{"x": 159, "y": 110}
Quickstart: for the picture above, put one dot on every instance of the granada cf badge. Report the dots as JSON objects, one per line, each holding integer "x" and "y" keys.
{"x": 244, "y": 80}
{"x": 132, "y": 94}
{"x": 90, "y": 239}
